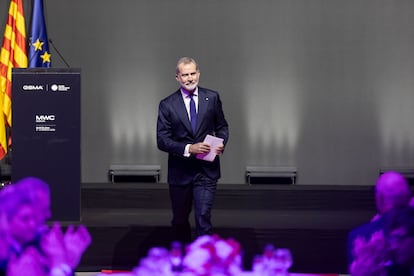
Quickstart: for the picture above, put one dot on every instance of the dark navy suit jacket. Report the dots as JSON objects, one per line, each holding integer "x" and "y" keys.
{"x": 174, "y": 132}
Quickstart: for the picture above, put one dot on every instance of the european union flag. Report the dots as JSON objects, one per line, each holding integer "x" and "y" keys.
{"x": 39, "y": 54}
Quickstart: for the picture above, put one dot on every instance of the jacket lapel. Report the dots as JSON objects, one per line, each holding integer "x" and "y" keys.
{"x": 181, "y": 111}
{"x": 203, "y": 102}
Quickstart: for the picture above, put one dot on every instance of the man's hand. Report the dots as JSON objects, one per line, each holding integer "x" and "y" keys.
{"x": 199, "y": 148}
{"x": 53, "y": 246}
{"x": 76, "y": 240}
{"x": 220, "y": 149}
{"x": 30, "y": 262}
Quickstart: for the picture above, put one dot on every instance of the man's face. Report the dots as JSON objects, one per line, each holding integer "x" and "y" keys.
{"x": 402, "y": 246}
{"x": 188, "y": 76}
{"x": 22, "y": 225}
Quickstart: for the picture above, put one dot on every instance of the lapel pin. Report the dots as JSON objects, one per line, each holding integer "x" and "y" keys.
{"x": 206, "y": 99}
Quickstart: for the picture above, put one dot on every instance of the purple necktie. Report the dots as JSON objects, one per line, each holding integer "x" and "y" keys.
{"x": 193, "y": 113}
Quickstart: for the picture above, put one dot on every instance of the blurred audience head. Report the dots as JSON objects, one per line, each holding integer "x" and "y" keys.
{"x": 391, "y": 191}
{"x": 18, "y": 215}
{"x": 400, "y": 236}
{"x": 39, "y": 193}
{"x": 27, "y": 242}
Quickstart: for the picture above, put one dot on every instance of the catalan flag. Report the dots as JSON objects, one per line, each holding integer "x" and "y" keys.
{"x": 39, "y": 54}
{"x": 13, "y": 54}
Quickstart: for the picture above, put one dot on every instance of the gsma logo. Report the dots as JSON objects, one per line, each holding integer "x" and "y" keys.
{"x": 45, "y": 118}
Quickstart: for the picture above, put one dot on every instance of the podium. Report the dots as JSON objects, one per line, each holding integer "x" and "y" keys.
{"x": 46, "y": 134}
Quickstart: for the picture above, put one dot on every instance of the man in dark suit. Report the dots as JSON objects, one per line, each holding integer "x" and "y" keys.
{"x": 392, "y": 192}
{"x": 184, "y": 119}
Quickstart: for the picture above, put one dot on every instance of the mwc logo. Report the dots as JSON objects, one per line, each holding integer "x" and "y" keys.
{"x": 45, "y": 118}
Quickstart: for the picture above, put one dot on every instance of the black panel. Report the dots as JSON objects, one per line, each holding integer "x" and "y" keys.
{"x": 46, "y": 134}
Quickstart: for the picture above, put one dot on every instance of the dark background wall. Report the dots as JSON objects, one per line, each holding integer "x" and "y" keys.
{"x": 323, "y": 85}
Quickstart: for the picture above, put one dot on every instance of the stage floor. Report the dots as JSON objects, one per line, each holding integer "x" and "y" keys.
{"x": 125, "y": 220}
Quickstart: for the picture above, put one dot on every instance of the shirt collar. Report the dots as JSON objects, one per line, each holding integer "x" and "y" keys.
{"x": 186, "y": 94}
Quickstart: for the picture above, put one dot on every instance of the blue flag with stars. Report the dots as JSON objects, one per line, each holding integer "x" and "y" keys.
{"x": 39, "y": 54}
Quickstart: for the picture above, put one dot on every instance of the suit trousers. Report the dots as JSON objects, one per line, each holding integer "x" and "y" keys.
{"x": 200, "y": 192}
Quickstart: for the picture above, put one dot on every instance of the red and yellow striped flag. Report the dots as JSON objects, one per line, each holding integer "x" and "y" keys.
{"x": 13, "y": 55}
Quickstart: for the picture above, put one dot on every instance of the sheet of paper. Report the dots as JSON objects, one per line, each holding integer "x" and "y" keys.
{"x": 214, "y": 142}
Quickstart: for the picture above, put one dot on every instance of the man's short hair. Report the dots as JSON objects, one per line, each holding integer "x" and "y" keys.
{"x": 185, "y": 60}
{"x": 32, "y": 184}
{"x": 11, "y": 200}
{"x": 392, "y": 191}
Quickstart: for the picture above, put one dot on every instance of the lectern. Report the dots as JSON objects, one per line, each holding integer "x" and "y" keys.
{"x": 46, "y": 134}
